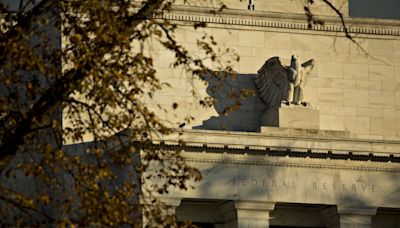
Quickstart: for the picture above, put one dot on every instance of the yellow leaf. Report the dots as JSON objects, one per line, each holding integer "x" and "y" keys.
{"x": 45, "y": 199}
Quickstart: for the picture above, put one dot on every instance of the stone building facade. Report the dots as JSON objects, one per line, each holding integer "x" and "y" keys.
{"x": 342, "y": 172}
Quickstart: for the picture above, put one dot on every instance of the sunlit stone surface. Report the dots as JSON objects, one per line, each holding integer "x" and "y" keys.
{"x": 334, "y": 163}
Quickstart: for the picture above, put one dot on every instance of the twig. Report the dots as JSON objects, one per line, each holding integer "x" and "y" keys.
{"x": 345, "y": 28}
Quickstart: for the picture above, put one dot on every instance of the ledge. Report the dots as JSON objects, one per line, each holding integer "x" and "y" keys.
{"x": 366, "y": 26}
{"x": 326, "y": 142}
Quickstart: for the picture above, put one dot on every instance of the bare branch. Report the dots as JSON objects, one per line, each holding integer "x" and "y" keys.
{"x": 345, "y": 28}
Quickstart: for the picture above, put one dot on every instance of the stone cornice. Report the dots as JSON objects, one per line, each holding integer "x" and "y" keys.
{"x": 244, "y": 159}
{"x": 246, "y": 141}
{"x": 282, "y": 21}
{"x": 250, "y": 148}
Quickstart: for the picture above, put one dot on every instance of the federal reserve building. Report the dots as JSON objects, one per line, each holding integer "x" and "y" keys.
{"x": 317, "y": 143}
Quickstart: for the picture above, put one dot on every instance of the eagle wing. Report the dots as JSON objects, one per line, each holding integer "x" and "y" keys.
{"x": 307, "y": 68}
{"x": 272, "y": 82}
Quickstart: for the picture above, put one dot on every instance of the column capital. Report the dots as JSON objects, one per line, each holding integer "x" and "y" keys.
{"x": 357, "y": 210}
{"x": 246, "y": 213}
{"x": 348, "y": 216}
{"x": 163, "y": 208}
{"x": 169, "y": 201}
{"x": 230, "y": 208}
{"x": 255, "y": 205}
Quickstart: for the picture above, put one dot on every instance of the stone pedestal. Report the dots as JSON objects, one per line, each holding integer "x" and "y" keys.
{"x": 298, "y": 116}
{"x": 292, "y": 116}
{"x": 349, "y": 217}
{"x": 241, "y": 214}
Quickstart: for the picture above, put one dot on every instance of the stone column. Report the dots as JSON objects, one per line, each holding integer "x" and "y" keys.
{"x": 349, "y": 216}
{"x": 244, "y": 214}
{"x": 171, "y": 203}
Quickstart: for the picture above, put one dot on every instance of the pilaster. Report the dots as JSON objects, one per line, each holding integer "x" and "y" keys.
{"x": 164, "y": 208}
{"x": 349, "y": 216}
{"x": 242, "y": 214}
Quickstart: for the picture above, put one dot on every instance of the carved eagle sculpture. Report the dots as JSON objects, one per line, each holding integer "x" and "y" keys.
{"x": 277, "y": 83}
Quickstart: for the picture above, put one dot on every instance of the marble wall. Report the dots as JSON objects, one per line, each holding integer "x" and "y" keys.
{"x": 354, "y": 90}
{"x": 278, "y": 6}
{"x": 243, "y": 177}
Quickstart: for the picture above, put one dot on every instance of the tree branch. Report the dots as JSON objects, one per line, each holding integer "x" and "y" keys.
{"x": 24, "y": 23}
{"x": 61, "y": 88}
{"x": 345, "y": 28}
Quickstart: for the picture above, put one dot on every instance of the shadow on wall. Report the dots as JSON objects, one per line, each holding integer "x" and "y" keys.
{"x": 246, "y": 118}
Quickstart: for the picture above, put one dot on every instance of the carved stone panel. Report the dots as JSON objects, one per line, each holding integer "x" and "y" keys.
{"x": 299, "y": 182}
